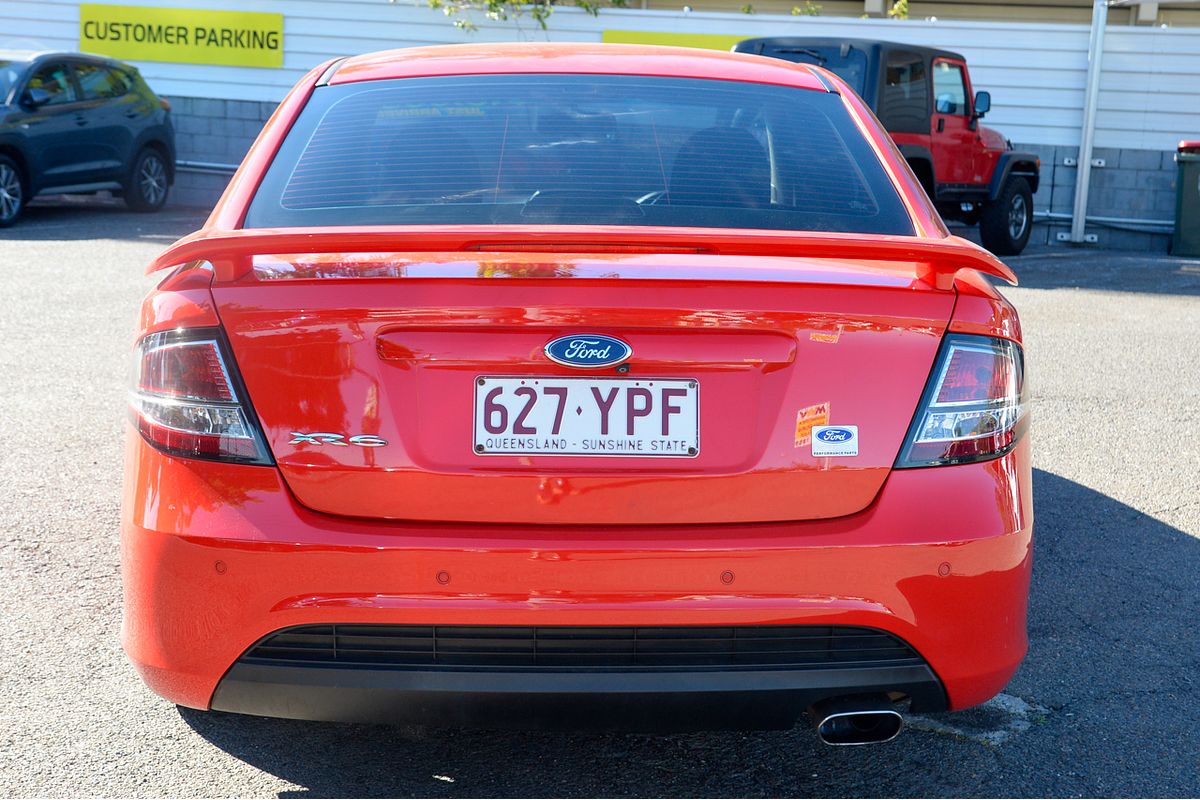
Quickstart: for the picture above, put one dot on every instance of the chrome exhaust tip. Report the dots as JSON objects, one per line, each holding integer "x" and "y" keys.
{"x": 843, "y": 721}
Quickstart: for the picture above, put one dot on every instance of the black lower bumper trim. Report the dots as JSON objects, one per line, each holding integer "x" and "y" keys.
{"x": 676, "y": 700}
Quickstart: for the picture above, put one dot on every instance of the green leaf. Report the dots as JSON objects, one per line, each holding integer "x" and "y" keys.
{"x": 460, "y": 11}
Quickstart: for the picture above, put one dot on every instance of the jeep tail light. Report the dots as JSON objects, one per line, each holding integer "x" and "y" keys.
{"x": 187, "y": 399}
{"x": 974, "y": 407}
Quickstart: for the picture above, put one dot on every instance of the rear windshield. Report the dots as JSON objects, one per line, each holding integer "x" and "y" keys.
{"x": 848, "y": 63}
{"x": 577, "y": 150}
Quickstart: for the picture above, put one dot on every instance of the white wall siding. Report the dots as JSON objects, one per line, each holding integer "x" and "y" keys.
{"x": 1149, "y": 99}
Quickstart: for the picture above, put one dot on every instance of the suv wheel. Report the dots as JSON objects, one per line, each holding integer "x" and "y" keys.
{"x": 12, "y": 192}
{"x": 147, "y": 190}
{"x": 1005, "y": 224}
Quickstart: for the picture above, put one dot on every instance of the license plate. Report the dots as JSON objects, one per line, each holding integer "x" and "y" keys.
{"x": 646, "y": 417}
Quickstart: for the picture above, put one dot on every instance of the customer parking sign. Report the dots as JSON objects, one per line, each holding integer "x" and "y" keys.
{"x": 182, "y": 35}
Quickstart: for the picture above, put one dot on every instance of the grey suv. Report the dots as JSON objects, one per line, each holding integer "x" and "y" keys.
{"x": 72, "y": 123}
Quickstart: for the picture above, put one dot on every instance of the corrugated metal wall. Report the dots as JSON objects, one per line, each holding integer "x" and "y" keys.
{"x": 1150, "y": 94}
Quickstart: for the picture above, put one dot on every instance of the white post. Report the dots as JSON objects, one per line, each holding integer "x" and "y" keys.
{"x": 1084, "y": 169}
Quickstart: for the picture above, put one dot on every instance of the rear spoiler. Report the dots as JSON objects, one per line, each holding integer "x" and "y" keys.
{"x": 937, "y": 260}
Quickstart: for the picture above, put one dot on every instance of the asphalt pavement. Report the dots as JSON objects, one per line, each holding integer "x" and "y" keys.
{"x": 1106, "y": 704}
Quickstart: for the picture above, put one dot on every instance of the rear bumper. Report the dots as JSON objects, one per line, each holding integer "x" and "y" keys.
{"x": 642, "y": 701}
{"x": 215, "y": 557}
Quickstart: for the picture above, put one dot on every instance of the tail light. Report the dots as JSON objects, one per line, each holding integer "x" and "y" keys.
{"x": 974, "y": 407}
{"x": 188, "y": 399}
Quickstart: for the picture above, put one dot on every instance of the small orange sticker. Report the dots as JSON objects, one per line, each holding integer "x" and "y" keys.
{"x": 807, "y": 419}
{"x": 829, "y": 337}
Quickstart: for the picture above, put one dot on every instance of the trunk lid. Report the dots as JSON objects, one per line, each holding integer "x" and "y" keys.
{"x": 392, "y": 346}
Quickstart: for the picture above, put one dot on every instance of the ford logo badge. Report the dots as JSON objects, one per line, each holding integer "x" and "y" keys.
{"x": 588, "y": 350}
{"x": 836, "y": 435}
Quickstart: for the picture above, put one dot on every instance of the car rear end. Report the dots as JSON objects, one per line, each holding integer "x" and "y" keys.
{"x": 584, "y": 398}
{"x": 153, "y": 114}
{"x": 14, "y": 177}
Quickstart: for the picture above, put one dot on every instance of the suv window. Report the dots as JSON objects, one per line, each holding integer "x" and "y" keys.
{"x": 99, "y": 82}
{"x": 54, "y": 80}
{"x": 949, "y": 88}
{"x": 577, "y": 150}
{"x": 904, "y": 98}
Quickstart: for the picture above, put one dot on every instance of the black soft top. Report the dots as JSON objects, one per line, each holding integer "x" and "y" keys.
{"x": 766, "y": 45}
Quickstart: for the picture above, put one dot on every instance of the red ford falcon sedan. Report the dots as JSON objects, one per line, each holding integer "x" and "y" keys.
{"x": 583, "y": 386}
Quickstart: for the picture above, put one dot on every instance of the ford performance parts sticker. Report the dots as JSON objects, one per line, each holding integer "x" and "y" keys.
{"x": 835, "y": 440}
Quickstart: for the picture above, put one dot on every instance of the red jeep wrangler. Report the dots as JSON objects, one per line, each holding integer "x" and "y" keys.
{"x": 923, "y": 97}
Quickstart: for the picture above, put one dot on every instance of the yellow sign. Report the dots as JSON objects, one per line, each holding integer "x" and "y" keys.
{"x": 182, "y": 35}
{"x": 708, "y": 41}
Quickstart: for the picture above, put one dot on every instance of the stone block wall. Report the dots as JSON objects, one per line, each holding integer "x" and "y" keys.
{"x": 213, "y": 132}
{"x": 1132, "y": 184}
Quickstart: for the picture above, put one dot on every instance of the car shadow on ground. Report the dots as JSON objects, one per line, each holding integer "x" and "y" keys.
{"x": 78, "y": 218}
{"x": 1043, "y": 266}
{"x": 1104, "y": 705}
{"x": 1106, "y": 270}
